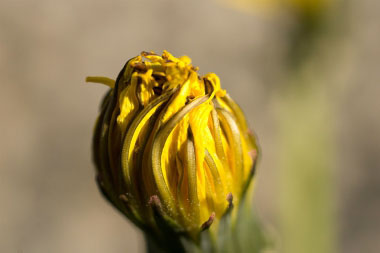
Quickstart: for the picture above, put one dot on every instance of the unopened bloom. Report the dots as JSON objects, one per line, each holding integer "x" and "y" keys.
{"x": 171, "y": 143}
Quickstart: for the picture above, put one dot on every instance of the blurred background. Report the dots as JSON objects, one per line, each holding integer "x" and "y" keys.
{"x": 306, "y": 75}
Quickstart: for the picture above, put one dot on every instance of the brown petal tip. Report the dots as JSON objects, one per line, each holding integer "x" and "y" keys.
{"x": 209, "y": 222}
{"x": 145, "y": 53}
{"x": 155, "y": 201}
{"x": 230, "y": 199}
{"x": 123, "y": 198}
{"x": 139, "y": 66}
{"x": 253, "y": 153}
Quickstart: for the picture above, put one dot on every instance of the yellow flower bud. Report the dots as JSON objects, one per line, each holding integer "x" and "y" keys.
{"x": 171, "y": 143}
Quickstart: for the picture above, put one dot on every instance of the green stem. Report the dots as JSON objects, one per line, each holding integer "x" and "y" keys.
{"x": 306, "y": 147}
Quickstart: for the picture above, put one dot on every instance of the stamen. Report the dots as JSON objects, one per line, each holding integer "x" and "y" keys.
{"x": 100, "y": 79}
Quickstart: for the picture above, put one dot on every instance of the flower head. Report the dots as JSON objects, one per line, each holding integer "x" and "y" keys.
{"x": 171, "y": 143}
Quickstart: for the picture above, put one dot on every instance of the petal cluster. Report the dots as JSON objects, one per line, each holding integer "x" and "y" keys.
{"x": 170, "y": 140}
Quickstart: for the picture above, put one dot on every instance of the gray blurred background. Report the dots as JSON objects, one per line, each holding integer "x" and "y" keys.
{"x": 49, "y": 199}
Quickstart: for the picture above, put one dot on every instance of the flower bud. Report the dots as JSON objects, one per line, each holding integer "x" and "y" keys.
{"x": 172, "y": 144}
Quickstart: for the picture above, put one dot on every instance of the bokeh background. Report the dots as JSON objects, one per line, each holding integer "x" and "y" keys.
{"x": 49, "y": 201}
